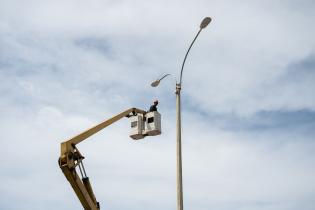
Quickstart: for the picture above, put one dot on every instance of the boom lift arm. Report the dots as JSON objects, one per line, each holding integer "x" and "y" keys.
{"x": 70, "y": 158}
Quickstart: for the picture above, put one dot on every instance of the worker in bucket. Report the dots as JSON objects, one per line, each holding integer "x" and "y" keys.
{"x": 153, "y": 107}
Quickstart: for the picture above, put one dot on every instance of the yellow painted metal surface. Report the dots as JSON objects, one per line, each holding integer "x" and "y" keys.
{"x": 70, "y": 157}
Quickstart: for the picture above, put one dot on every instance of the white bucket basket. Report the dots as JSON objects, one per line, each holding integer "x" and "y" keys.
{"x": 153, "y": 124}
{"x": 137, "y": 127}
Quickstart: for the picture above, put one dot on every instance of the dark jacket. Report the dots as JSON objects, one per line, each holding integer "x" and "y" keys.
{"x": 153, "y": 108}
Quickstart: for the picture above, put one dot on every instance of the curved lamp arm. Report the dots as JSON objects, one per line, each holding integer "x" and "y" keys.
{"x": 205, "y": 22}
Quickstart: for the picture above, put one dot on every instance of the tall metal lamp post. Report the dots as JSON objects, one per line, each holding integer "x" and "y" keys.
{"x": 155, "y": 83}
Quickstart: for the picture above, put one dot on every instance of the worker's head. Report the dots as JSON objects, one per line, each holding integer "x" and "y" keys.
{"x": 156, "y": 102}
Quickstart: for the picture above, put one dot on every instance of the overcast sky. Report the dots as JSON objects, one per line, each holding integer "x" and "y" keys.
{"x": 248, "y": 103}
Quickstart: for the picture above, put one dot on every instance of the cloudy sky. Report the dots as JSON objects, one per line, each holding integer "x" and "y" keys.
{"x": 248, "y": 102}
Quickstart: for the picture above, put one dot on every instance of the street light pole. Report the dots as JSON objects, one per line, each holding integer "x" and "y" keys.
{"x": 155, "y": 83}
{"x": 180, "y": 205}
{"x": 179, "y": 173}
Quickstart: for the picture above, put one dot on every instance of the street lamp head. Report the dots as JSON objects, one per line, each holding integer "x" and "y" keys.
{"x": 155, "y": 83}
{"x": 205, "y": 22}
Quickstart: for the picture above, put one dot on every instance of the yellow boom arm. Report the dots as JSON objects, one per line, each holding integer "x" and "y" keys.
{"x": 70, "y": 158}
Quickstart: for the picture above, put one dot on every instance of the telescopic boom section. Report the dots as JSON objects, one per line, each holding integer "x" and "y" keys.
{"x": 70, "y": 158}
